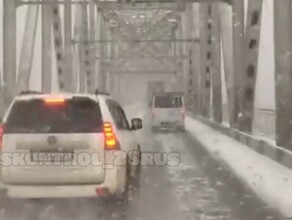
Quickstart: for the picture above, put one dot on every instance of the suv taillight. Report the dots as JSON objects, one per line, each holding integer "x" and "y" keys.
{"x": 110, "y": 139}
{"x": 1, "y": 135}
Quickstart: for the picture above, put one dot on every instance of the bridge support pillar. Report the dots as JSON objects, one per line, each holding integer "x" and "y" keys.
{"x": 58, "y": 44}
{"x": 46, "y": 48}
{"x": 9, "y": 50}
{"x": 283, "y": 71}
{"x": 68, "y": 78}
{"x": 205, "y": 60}
{"x": 216, "y": 64}
{"x": 251, "y": 48}
{"x": 101, "y": 78}
{"x": 238, "y": 40}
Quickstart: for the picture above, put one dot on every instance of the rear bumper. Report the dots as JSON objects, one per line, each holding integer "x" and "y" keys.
{"x": 76, "y": 191}
{"x": 168, "y": 124}
{"x": 111, "y": 186}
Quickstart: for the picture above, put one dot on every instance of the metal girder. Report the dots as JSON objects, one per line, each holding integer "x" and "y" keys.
{"x": 92, "y": 79}
{"x": 83, "y": 50}
{"x": 131, "y": 35}
{"x": 76, "y": 52}
{"x": 251, "y": 52}
{"x": 216, "y": 65}
{"x": 162, "y": 21}
{"x": 154, "y": 49}
{"x": 137, "y": 58}
{"x": 141, "y": 6}
{"x": 46, "y": 48}
{"x": 187, "y": 24}
{"x": 27, "y": 50}
{"x": 31, "y": 2}
{"x": 133, "y": 51}
{"x": 197, "y": 40}
{"x": 205, "y": 56}
{"x": 195, "y": 61}
{"x": 283, "y": 69}
{"x": 227, "y": 55}
{"x": 238, "y": 43}
{"x": 68, "y": 46}
{"x": 162, "y": 1}
{"x": 143, "y": 71}
{"x": 102, "y": 75}
{"x": 58, "y": 43}
{"x": 121, "y": 24}
{"x": 9, "y": 50}
{"x": 141, "y": 48}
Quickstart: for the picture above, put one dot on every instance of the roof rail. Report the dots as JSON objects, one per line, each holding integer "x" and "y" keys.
{"x": 98, "y": 92}
{"x": 28, "y": 92}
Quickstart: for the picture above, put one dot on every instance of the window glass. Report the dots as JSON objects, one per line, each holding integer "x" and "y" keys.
{"x": 77, "y": 115}
{"x": 168, "y": 101}
{"x": 118, "y": 115}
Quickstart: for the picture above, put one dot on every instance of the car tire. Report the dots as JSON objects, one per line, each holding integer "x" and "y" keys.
{"x": 117, "y": 205}
{"x": 122, "y": 196}
{"x": 136, "y": 171}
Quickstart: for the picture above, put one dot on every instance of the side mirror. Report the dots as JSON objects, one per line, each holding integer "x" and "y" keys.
{"x": 136, "y": 124}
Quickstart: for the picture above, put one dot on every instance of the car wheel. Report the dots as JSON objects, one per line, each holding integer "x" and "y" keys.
{"x": 115, "y": 207}
{"x": 136, "y": 170}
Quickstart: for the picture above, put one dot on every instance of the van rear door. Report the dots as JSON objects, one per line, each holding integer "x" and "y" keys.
{"x": 168, "y": 108}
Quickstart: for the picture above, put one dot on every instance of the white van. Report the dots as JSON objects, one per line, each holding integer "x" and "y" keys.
{"x": 168, "y": 111}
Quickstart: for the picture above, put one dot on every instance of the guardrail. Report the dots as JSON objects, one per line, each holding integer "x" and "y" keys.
{"x": 264, "y": 147}
{"x": 264, "y": 122}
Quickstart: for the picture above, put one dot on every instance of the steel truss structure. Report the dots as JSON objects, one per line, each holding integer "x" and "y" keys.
{"x": 91, "y": 43}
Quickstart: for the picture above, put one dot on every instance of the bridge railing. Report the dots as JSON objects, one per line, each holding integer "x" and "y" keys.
{"x": 264, "y": 122}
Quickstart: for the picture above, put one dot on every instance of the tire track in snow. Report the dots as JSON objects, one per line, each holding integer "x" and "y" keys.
{"x": 196, "y": 198}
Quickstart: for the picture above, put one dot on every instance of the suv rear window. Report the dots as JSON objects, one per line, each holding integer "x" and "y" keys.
{"x": 168, "y": 101}
{"x": 76, "y": 115}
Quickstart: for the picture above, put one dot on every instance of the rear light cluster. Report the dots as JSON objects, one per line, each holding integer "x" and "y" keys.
{"x": 110, "y": 140}
{"x": 1, "y": 135}
{"x": 183, "y": 113}
{"x": 101, "y": 191}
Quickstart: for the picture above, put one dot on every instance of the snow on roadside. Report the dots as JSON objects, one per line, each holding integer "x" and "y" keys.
{"x": 268, "y": 179}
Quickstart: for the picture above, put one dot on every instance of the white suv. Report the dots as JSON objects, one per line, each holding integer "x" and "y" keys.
{"x": 68, "y": 145}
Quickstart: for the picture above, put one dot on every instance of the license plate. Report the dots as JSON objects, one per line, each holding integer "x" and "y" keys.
{"x": 51, "y": 156}
{"x": 166, "y": 123}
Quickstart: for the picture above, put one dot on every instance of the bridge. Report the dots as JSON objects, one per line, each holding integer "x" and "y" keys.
{"x": 231, "y": 58}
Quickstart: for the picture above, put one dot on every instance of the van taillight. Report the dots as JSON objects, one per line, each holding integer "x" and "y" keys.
{"x": 1, "y": 135}
{"x": 110, "y": 139}
{"x": 183, "y": 113}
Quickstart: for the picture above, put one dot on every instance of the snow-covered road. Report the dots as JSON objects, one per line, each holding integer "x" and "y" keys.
{"x": 270, "y": 180}
{"x": 197, "y": 188}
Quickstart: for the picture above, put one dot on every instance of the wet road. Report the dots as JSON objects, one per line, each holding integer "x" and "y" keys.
{"x": 197, "y": 188}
